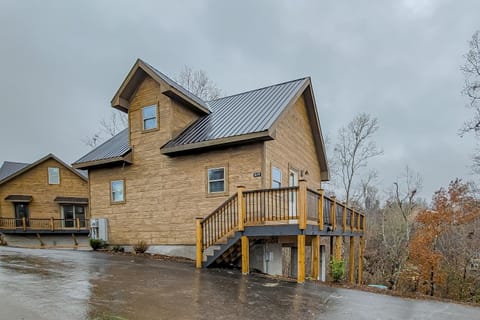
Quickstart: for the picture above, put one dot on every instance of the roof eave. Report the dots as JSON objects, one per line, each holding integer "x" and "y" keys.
{"x": 126, "y": 158}
{"x": 36, "y": 163}
{"x": 218, "y": 143}
{"x": 317, "y": 133}
{"x": 122, "y": 104}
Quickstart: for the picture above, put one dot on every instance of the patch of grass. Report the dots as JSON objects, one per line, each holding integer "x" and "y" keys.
{"x": 118, "y": 249}
{"x": 140, "y": 247}
{"x": 97, "y": 244}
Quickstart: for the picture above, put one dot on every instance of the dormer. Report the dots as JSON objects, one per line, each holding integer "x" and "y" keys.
{"x": 156, "y": 102}
{"x": 139, "y": 72}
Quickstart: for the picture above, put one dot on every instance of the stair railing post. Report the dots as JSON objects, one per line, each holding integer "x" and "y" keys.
{"x": 352, "y": 221}
{"x": 302, "y": 204}
{"x": 241, "y": 208}
{"x": 333, "y": 213}
{"x": 344, "y": 217}
{"x": 199, "y": 244}
{"x": 321, "y": 199}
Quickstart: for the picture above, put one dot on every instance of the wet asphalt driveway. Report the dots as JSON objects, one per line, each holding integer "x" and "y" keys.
{"x": 49, "y": 284}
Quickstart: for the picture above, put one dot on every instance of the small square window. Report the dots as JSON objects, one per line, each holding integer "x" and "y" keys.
{"x": 216, "y": 180}
{"x": 118, "y": 192}
{"x": 149, "y": 116}
{"x": 276, "y": 178}
{"x": 53, "y": 176}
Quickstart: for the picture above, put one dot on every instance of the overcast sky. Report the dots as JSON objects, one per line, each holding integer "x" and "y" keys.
{"x": 62, "y": 62}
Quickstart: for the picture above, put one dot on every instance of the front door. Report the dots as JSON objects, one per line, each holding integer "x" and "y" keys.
{"x": 21, "y": 211}
{"x": 292, "y": 203}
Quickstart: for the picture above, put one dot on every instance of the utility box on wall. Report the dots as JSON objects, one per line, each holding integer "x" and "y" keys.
{"x": 99, "y": 229}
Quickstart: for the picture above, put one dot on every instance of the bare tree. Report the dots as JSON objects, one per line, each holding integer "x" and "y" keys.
{"x": 109, "y": 127}
{"x": 198, "y": 83}
{"x": 471, "y": 88}
{"x": 354, "y": 148}
{"x": 398, "y": 221}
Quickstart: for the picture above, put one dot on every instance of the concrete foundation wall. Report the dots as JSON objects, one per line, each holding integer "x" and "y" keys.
{"x": 49, "y": 241}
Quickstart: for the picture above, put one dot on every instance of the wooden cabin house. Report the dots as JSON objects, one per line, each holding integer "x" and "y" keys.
{"x": 249, "y": 166}
{"x": 43, "y": 199}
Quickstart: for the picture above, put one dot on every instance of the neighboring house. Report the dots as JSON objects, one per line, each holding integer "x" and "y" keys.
{"x": 181, "y": 158}
{"x": 44, "y": 198}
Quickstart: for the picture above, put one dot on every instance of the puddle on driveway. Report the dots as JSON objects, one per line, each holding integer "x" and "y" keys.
{"x": 49, "y": 284}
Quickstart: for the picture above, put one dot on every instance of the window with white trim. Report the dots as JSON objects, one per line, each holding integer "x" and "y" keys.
{"x": 276, "y": 178}
{"x": 53, "y": 175}
{"x": 216, "y": 180}
{"x": 149, "y": 116}
{"x": 118, "y": 191}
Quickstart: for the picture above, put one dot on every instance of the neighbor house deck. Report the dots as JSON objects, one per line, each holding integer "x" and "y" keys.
{"x": 44, "y": 226}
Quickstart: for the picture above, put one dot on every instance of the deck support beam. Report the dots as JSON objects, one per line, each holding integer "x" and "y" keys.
{"x": 301, "y": 258}
{"x": 245, "y": 255}
{"x": 351, "y": 261}
{"x": 199, "y": 244}
{"x": 338, "y": 248}
{"x": 316, "y": 257}
{"x": 360, "y": 260}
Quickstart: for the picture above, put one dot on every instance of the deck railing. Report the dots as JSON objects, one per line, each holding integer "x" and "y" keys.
{"x": 270, "y": 205}
{"x": 36, "y": 224}
{"x": 297, "y": 205}
{"x": 220, "y": 222}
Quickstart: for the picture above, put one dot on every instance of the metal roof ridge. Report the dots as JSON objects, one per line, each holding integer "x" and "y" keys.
{"x": 258, "y": 89}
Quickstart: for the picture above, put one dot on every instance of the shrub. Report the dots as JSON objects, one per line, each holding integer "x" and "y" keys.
{"x": 337, "y": 269}
{"x": 97, "y": 244}
{"x": 140, "y": 247}
{"x": 118, "y": 249}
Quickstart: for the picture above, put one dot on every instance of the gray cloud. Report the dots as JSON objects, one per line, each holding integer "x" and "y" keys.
{"x": 399, "y": 60}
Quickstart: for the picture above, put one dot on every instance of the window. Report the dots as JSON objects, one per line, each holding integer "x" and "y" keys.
{"x": 216, "y": 180}
{"x": 118, "y": 194}
{"x": 72, "y": 212}
{"x": 149, "y": 116}
{"x": 276, "y": 178}
{"x": 53, "y": 176}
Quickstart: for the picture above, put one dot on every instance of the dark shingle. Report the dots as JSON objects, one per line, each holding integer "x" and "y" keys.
{"x": 8, "y": 168}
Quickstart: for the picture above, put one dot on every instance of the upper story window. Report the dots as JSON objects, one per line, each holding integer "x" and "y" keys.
{"x": 276, "y": 178}
{"x": 53, "y": 175}
{"x": 149, "y": 116}
{"x": 118, "y": 191}
{"x": 216, "y": 180}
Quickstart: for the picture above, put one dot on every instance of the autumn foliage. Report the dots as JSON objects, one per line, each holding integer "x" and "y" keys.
{"x": 444, "y": 244}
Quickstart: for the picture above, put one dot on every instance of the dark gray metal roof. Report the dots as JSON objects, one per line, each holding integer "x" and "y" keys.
{"x": 8, "y": 168}
{"x": 113, "y": 148}
{"x": 179, "y": 87}
{"x": 243, "y": 113}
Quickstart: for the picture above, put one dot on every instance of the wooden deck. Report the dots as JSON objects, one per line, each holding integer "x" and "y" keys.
{"x": 52, "y": 225}
{"x": 293, "y": 211}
